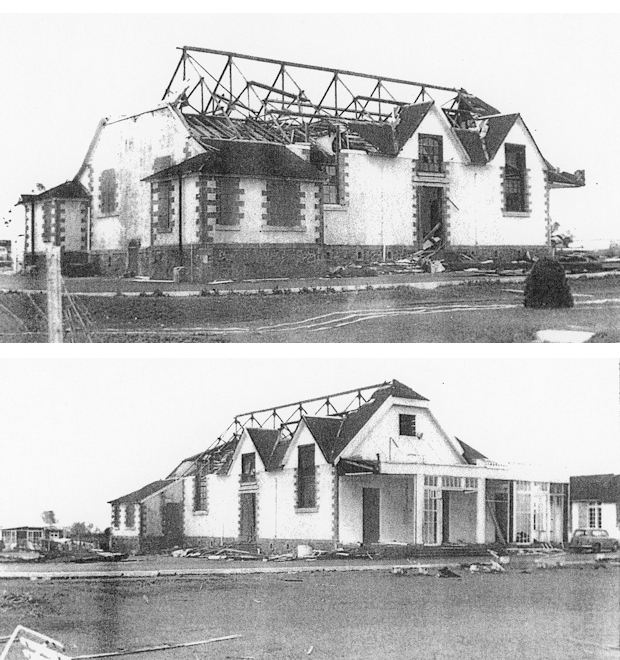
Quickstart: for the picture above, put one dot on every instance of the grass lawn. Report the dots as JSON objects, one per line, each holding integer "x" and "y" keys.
{"x": 472, "y": 312}
{"x": 568, "y": 613}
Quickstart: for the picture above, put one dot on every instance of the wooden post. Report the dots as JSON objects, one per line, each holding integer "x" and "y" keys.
{"x": 54, "y": 295}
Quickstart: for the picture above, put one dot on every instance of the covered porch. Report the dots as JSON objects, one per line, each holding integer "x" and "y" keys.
{"x": 419, "y": 509}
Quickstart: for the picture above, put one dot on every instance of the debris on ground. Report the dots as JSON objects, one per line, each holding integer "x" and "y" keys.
{"x": 220, "y": 554}
{"x": 26, "y": 603}
{"x": 446, "y": 572}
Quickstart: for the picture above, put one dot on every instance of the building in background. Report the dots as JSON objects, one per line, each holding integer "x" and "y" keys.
{"x": 595, "y": 502}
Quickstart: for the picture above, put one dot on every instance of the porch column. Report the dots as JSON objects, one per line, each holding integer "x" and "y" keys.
{"x": 419, "y": 508}
{"x": 481, "y": 512}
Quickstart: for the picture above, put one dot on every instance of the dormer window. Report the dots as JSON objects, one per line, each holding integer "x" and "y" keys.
{"x": 406, "y": 425}
{"x": 430, "y": 153}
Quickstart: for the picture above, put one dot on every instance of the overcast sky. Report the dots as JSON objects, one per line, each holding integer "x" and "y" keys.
{"x": 77, "y": 433}
{"x": 61, "y": 73}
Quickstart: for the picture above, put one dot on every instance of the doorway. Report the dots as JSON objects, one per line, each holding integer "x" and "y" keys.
{"x": 247, "y": 522}
{"x": 370, "y": 515}
{"x": 172, "y": 524}
{"x": 430, "y": 216}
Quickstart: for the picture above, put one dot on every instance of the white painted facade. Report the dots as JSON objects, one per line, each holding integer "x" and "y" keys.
{"x": 609, "y": 516}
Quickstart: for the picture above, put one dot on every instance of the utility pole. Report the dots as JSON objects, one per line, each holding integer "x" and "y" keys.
{"x": 54, "y": 295}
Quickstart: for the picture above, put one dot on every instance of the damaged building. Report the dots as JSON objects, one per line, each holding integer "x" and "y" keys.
{"x": 252, "y": 167}
{"x": 368, "y": 466}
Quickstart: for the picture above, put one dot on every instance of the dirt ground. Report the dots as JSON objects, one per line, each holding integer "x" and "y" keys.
{"x": 472, "y": 312}
{"x": 567, "y": 613}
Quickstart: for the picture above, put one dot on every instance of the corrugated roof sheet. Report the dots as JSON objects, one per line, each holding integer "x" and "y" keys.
{"x": 595, "y": 487}
{"x": 139, "y": 495}
{"x": 252, "y": 159}
{"x": 209, "y": 127}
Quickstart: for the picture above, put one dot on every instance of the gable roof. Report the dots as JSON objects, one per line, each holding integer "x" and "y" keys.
{"x": 473, "y": 144}
{"x": 498, "y": 129}
{"x": 597, "y": 487}
{"x": 238, "y": 158}
{"x": 333, "y": 434}
{"x": 470, "y": 454}
{"x": 67, "y": 190}
{"x": 390, "y": 137}
{"x": 270, "y": 446}
{"x": 141, "y": 494}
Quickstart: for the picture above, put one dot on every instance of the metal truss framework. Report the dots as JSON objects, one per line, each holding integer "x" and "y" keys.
{"x": 288, "y": 94}
{"x": 286, "y": 418}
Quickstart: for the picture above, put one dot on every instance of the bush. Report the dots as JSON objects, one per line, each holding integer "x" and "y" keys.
{"x": 546, "y": 286}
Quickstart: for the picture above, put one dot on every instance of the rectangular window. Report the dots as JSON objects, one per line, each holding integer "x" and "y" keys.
{"x": 450, "y": 482}
{"x": 228, "y": 202}
{"x": 406, "y": 425}
{"x": 283, "y": 205}
{"x": 116, "y": 516}
{"x": 515, "y": 179}
{"x": 430, "y": 153}
{"x": 430, "y": 480}
{"x": 471, "y": 482}
{"x": 248, "y": 467}
{"x": 306, "y": 477}
{"x": 107, "y": 192}
{"x": 163, "y": 198}
{"x": 595, "y": 515}
{"x": 329, "y": 164}
{"x": 432, "y": 498}
{"x": 200, "y": 487}
{"x": 130, "y": 516}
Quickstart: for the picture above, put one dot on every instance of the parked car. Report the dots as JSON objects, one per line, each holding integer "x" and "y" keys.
{"x": 595, "y": 540}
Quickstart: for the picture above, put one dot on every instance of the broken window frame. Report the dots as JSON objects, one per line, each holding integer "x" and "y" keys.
{"x": 306, "y": 477}
{"x": 430, "y": 154}
{"x": 330, "y": 166}
{"x": 515, "y": 179}
{"x": 200, "y": 487}
{"x": 108, "y": 187}
{"x": 248, "y": 467}
{"x": 407, "y": 425}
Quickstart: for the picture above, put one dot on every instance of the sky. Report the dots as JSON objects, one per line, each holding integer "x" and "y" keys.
{"x": 77, "y": 433}
{"x": 61, "y": 73}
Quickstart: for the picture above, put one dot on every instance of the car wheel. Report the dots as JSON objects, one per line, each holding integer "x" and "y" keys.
{"x": 596, "y": 548}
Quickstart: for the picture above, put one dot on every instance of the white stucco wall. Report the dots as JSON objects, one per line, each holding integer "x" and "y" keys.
{"x": 130, "y": 147}
{"x": 381, "y": 436}
{"x": 122, "y": 529}
{"x": 222, "y": 516}
{"x": 379, "y": 210}
{"x": 477, "y": 191}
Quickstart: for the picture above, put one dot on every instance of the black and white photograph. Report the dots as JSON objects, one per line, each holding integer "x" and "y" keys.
{"x": 301, "y": 178}
{"x": 353, "y": 509}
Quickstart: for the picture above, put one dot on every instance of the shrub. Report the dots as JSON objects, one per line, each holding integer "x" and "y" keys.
{"x": 546, "y": 286}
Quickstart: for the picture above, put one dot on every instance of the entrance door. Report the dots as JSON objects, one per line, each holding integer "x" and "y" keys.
{"x": 172, "y": 524}
{"x": 430, "y": 215}
{"x": 370, "y": 515}
{"x": 247, "y": 524}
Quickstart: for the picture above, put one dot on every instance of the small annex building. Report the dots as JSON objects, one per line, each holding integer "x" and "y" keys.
{"x": 595, "y": 502}
{"x": 369, "y": 466}
{"x": 242, "y": 175}
{"x": 29, "y": 537}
